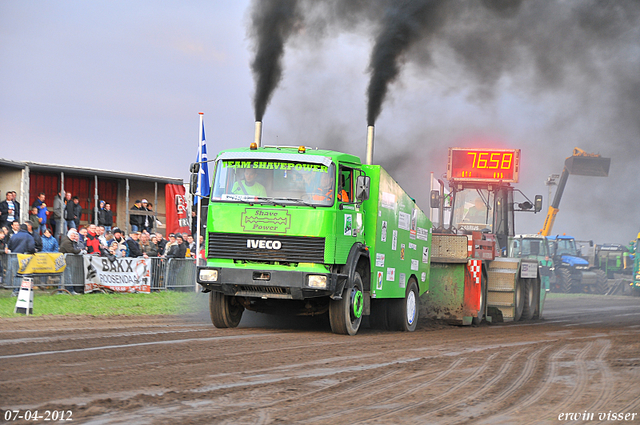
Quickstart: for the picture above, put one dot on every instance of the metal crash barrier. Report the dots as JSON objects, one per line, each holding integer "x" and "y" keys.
{"x": 176, "y": 274}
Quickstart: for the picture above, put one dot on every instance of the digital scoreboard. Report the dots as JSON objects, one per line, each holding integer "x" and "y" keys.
{"x": 483, "y": 165}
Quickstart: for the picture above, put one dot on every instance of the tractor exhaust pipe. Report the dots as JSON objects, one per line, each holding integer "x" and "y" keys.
{"x": 369, "y": 145}
{"x": 258, "y": 136}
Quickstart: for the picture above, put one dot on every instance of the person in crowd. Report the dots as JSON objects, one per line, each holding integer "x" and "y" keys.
{"x": 21, "y": 243}
{"x": 161, "y": 242}
{"x": 113, "y": 249}
{"x": 202, "y": 253}
{"x": 119, "y": 239}
{"x": 147, "y": 247}
{"x": 3, "y": 241}
{"x": 179, "y": 250}
{"x": 96, "y": 218}
{"x": 36, "y": 237}
{"x": 108, "y": 237}
{"x": 73, "y": 212}
{"x": 49, "y": 243}
{"x": 170, "y": 243}
{"x": 56, "y": 215}
{"x": 91, "y": 240}
{"x": 105, "y": 218}
{"x": 100, "y": 231}
{"x": 42, "y": 212}
{"x": 147, "y": 221}
{"x": 136, "y": 220}
{"x": 34, "y": 219}
{"x": 153, "y": 241}
{"x": 134, "y": 245}
{"x": 70, "y": 245}
{"x": 15, "y": 228}
{"x": 9, "y": 210}
{"x": 16, "y": 203}
{"x": 83, "y": 236}
{"x": 191, "y": 247}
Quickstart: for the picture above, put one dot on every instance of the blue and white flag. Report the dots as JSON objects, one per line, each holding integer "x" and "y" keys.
{"x": 204, "y": 184}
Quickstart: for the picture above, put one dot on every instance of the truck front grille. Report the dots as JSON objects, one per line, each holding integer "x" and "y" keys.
{"x": 294, "y": 249}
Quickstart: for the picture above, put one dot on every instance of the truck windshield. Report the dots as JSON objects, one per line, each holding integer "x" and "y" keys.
{"x": 274, "y": 182}
{"x": 473, "y": 210}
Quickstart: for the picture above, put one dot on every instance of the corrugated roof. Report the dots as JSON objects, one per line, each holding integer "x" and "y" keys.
{"x": 56, "y": 168}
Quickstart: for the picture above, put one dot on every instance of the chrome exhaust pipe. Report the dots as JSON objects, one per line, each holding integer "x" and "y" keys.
{"x": 369, "y": 145}
{"x": 258, "y": 135}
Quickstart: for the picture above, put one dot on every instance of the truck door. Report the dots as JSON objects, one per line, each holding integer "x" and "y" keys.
{"x": 349, "y": 214}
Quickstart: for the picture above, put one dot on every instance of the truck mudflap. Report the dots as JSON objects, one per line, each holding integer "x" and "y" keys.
{"x": 277, "y": 284}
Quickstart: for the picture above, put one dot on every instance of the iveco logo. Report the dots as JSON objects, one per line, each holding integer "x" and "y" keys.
{"x": 264, "y": 244}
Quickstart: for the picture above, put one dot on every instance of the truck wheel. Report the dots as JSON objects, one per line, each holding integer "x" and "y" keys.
{"x": 483, "y": 297}
{"x": 345, "y": 315}
{"x": 404, "y": 312}
{"x": 519, "y": 299}
{"x": 564, "y": 280}
{"x": 529, "y": 304}
{"x": 602, "y": 284}
{"x": 225, "y": 311}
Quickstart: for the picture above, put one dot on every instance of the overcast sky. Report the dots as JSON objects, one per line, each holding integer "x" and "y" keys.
{"x": 118, "y": 85}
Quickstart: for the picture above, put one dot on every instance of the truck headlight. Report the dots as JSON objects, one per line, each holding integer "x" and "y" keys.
{"x": 317, "y": 282}
{"x": 208, "y": 275}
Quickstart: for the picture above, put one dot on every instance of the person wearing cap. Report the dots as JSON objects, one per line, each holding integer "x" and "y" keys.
{"x": 135, "y": 220}
{"x": 122, "y": 246}
{"x": 147, "y": 222}
{"x": 134, "y": 245}
{"x": 179, "y": 249}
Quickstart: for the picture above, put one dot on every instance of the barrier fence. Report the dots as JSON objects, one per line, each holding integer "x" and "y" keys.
{"x": 176, "y": 274}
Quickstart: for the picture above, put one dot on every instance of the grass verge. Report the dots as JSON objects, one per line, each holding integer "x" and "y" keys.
{"x": 169, "y": 303}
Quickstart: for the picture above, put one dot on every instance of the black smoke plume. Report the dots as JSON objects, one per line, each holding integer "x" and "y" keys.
{"x": 272, "y": 22}
{"x": 404, "y": 23}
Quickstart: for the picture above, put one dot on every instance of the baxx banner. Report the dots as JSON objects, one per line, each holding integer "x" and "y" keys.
{"x": 41, "y": 263}
{"x": 177, "y": 208}
{"x": 120, "y": 275}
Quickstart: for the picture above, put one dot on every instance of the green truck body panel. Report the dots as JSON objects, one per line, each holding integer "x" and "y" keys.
{"x": 398, "y": 235}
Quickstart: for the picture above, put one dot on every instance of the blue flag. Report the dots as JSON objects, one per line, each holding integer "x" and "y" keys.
{"x": 204, "y": 187}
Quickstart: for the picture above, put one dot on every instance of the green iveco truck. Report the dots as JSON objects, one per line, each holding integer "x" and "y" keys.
{"x": 307, "y": 231}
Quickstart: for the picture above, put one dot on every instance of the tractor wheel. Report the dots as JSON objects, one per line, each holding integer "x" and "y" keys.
{"x": 225, "y": 311}
{"x": 563, "y": 277}
{"x": 519, "y": 299}
{"x": 345, "y": 315}
{"x": 602, "y": 283}
{"x": 529, "y": 304}
{"x": 483, "y": 298}
{"x": 403, "y": 314}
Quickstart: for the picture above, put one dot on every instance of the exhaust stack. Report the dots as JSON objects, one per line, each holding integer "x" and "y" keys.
{"x": 258, "y": 135}
{"x": 369, "y": 160}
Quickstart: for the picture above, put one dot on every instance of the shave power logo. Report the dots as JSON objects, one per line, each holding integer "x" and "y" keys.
{"x": 265, "y": 221}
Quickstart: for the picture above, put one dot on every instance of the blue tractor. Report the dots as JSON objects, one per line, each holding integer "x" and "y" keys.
{"x": 572, "y": 272}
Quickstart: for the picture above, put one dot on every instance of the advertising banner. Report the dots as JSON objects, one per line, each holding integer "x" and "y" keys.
{"x": 177, "y": 207}
{"x": 41, "y": 263}
{"x": 121, "y": 275}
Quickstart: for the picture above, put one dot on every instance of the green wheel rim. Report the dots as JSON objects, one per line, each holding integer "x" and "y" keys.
{"x": 356, "y": 302}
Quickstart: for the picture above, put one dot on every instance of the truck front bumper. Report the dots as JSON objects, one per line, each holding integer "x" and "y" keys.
{"x": 279, "y": 284}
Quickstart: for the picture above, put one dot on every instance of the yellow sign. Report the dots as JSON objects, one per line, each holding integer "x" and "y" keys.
{"x": 41, "y": 263}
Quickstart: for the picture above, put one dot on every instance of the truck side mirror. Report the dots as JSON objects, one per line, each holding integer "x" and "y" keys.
{"x": 538, "y": 203}
{"x": 194, "y": 168}
{"x": 435, "y": 199}
{"x": 362, "y": 188}
{"x": 193, "y": 183}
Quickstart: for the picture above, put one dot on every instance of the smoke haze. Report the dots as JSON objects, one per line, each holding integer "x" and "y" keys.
{"x": 543, "y": 76}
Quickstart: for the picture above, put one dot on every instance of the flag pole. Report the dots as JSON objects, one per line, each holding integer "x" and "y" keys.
{"x": 199, "y": 188}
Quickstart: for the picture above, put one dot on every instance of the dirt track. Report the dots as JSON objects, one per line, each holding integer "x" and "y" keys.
{"x": 585, "y": 356}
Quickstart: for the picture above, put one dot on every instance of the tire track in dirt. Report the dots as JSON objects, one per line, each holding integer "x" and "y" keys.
{"x": 458, "y": 386}
{"x": 405, "y": 383}
{"x": 607, "y": 381}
